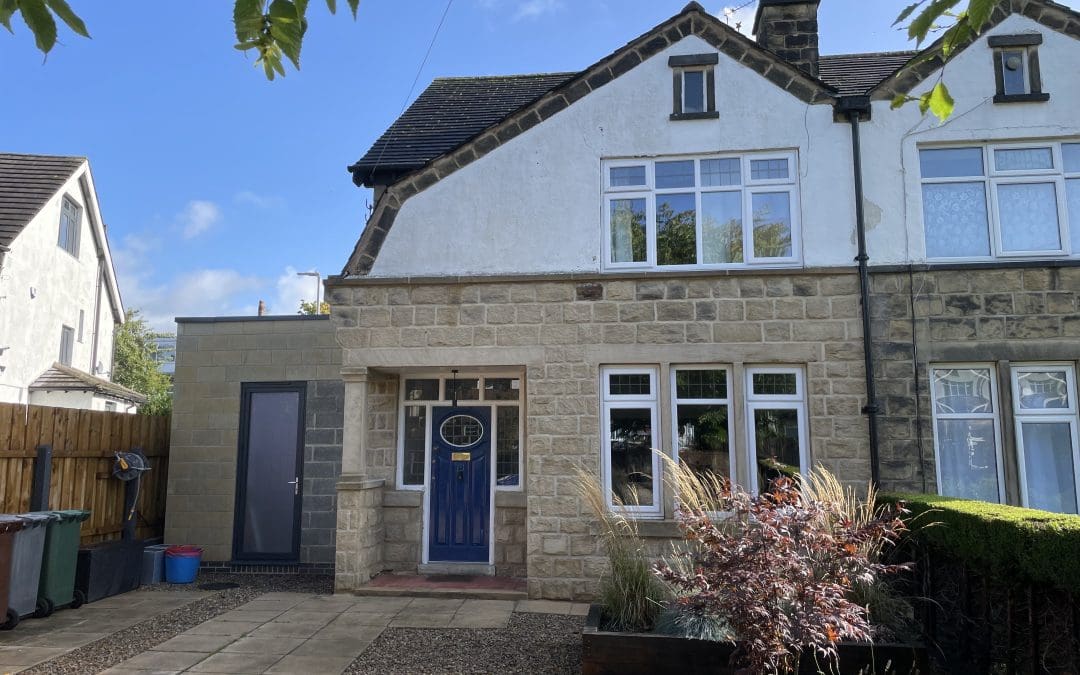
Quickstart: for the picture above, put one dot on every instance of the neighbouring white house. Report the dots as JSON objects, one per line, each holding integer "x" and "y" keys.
{"x": 59, "y": 300}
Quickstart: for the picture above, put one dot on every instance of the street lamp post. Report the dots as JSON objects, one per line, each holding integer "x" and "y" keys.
{"x": 318, "y": 287}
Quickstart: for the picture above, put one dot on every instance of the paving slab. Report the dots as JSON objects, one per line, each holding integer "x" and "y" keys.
{"x": 350, "y": 647}
{"x": 264, "y": 645}
{"x": 422, "y": 621}
{"x": 306, "y": 665}
{"x": 216, "y": 627}
{"x": 21, "y": 657}
{"x": 195, "y": 643}
{"x": 373, "y": 604}
{"x": 154, "y": 660}
{"x": 301, "y": 630}
{"x": 251, "y": 616}
{"x": 233, "y": 662}
{"x": 481, "y": 620}
{"x": 299, "y": 616}
{"x": 544, "y": 606}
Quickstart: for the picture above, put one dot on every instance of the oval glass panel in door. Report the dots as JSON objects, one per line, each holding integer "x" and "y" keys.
{"x": 461, "y": 431}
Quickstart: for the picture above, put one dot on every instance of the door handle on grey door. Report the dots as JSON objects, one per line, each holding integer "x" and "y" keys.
{"x": 296, "y": 485}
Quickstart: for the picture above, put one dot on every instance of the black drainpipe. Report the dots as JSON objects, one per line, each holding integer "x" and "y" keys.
{"x": 854, "y": 108}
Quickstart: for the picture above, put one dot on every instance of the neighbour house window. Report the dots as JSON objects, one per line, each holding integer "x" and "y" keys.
{"x": 966, "y": 431}
{"x": 630, "y": 434}
{"x": 110, "y": 406}
{"x": 420, "y": 394}
{"x": 67, "y": 344}
{"x": 1016, "y": 68}
{"x": 82, "y": 322}
{"x": 776, "y": 419}
{"x": 1045, "y": 415}
{"x": 70, "y": 219}
{"x": 694, "y": 86}
{"x": 982, "y": 202}
{"x": 714, "y": 212}
{"x": 701, "y": 426}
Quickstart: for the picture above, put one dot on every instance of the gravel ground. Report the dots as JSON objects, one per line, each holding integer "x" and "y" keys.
{"x": 120, "y": 646}
{"x": 531, "y": 643}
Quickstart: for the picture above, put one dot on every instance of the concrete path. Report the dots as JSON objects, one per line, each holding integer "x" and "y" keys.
{"x": 37, "y": 640}
{"x": 302, "y": 633}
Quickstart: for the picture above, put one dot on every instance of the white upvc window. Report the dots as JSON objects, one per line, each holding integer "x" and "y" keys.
{"x": 967, "y": 435}
{"x": 501, "y": 392}
{"x": 631, "y": 432}
{"x": 1001, "y": 201}
{"x": 701, "y": 212}
{"x": 701, "y": 426}
{"x": 1045, "y": 414}
{"x": 776, "y": 418}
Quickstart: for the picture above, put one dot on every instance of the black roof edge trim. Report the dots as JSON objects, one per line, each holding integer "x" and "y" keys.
{"x": 853, "y": 104}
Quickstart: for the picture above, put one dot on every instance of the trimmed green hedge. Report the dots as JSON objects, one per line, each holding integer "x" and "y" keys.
{"x": 1012, "y": 542}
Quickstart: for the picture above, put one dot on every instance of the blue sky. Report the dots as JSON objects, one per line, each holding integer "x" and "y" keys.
{"x": 218, "y": 185}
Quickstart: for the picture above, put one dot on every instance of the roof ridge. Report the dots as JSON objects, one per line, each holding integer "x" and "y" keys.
{"x": 511, "y": 75}
{"x": 41, "y": 156}
{"x": 897, "y": 52}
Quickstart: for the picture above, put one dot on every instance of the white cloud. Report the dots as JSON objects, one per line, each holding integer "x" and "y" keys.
{"x": 291, "y": 290}
{"x": 260, "y": 201}
{"x": 738, "y": 16}
{"x": 203, "y": 292}
{"x": 197, "y": 217}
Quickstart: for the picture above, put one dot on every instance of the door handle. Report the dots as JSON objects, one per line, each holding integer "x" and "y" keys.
{"x": 296, "y": 485}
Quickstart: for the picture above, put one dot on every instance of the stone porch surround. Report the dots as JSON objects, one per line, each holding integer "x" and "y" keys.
{"x": 560, "y": 331}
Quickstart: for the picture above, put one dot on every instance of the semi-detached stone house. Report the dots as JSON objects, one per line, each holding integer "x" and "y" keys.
{"x": 662, "y": 251}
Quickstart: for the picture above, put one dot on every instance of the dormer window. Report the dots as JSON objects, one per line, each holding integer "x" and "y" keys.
{"x": 694, "y": 86}
{"x": 1016, "y": 68}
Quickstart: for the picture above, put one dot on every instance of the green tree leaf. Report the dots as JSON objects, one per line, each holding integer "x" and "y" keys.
{"x": 941, "y": 103}
{"x": 979, "y": 12}
{"x": 924, "y": 21}
{"x": 134, "y": 365}
{"x": 63, "y": 10}
{"x": 7, "y": 9}
{"x": 248, "y": 20}
{"x": 354, "y": 7}
{"x": 907, "y": 11}
{"x": 40, "y": 22}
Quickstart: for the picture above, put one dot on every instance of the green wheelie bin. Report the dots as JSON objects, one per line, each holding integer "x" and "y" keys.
{"x": 57, "y": 584}
{"x": 8, "y": 527}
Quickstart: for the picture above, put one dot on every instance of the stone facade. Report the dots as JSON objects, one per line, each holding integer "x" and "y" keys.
{"x": 360, "y": 535}
{"x": 213, "y": 358}
{"x": 559, "y": 332}
{"x": 984, "y": 314}
{"x": 790, "y": 30}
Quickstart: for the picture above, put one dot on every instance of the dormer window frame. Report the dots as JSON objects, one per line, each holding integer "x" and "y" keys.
{"x": 1026, "y": 45}
{"x": 694, "y": 63}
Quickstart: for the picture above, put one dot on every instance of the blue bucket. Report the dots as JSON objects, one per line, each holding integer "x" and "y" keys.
{"x": 182, "y": 564}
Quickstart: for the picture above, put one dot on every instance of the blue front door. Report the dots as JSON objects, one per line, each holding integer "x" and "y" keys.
{"x": 460, "y": 500}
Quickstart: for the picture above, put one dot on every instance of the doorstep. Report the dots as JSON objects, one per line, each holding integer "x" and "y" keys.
{"x": 467, "y": 586}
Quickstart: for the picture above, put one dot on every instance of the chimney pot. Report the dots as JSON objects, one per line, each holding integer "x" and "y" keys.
{"x": 789, "y": 29}
{"x": 262, "y": 308}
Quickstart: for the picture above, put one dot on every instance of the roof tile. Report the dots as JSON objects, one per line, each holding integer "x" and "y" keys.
{"x": 27, "y": 182}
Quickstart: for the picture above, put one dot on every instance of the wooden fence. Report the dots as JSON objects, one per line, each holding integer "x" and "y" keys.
{"x": 83, "y": 445}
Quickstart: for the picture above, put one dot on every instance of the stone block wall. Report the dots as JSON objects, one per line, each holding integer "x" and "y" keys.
{"x": 213, "y": 358}
{"x": 359, "y": 533}
{"x": 982, "y": 314}
{"x": 561, "y": 330}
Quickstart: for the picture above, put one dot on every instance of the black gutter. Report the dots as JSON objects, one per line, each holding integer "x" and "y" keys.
{"x": 854, "y": 107}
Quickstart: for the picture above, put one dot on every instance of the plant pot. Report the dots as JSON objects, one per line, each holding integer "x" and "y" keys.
{"x": 613, "y": 653}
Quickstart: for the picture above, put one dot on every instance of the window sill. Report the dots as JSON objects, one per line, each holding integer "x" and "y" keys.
{"x": 1022, "y": 98}
{"x": 710, "y": 115}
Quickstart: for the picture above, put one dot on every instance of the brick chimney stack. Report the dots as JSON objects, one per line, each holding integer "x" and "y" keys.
{"x": 262, "y": 308}
{"x": 789, "y": 28}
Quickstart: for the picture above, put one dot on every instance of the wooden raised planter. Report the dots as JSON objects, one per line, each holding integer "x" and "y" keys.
{"x": 608, "y": 653}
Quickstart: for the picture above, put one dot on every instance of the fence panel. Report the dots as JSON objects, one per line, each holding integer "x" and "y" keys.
{"x": 83, "y": 446}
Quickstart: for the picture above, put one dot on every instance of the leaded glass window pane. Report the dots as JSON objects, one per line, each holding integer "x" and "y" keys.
{"x": 717, "y": 172}
{"x": 955, "y": 218}
{"x": 627, "y": 176}
{"x": 421, "y": 390}
{"x": 412, "y": 470}
{"x": 629, "y": 384}
{"x": 722, "y": 227}
{"x": 775, "y": 384}
{"x": 630, "y": 432}
{"x": 1043, "y": 390}
{"x": 628, "y": 230}
{"x": 676, "y": 229}
{"x": 1029, "y": 217}
{"x": 461, "y": 431}
{"x": 675, "y": 174}
{"x": 502, "y": 388}
{"x": 963, "y": 390}
{"x": 768, "y": 169}
{"x": 772, "y": 224}
{"x": 463, "y": 390}
{"x": 507, "y": 446}
{"x": 701, "y": 384}
{"x": 951, "y": 162}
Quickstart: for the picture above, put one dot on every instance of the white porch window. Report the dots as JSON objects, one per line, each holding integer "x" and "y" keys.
{"x": 776, "y": 419}
{"x": 967, "y": 443}
{"x": 630, "y": 414}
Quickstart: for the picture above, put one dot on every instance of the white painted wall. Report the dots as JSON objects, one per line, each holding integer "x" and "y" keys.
{"x": 534, "y": 205}
{"x": 892, "y": 139}
{"x": 79, "y": 399}
{"x": 43, "y": 287}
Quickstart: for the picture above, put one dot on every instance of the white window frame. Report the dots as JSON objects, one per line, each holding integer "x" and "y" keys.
{"x": 675, "y": 401}
{"x": 797, "y": 402}
{"x": 442, "y": 401}
{"x": 747, "y": 188}
{"x": 611, "y": 402}
{"x": 1036, "y": 416}
{"x": 991, "y": 178}
{"x": 67, "y": 345}
{"x": 994, "y": 416}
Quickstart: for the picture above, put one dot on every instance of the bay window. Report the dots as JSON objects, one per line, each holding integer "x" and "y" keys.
{"x": 1045, "y": 414}
{"x": 701, "y": 212}
{"x": 982, "y": 202}
{"x": 630, "y": 433}
{"x": 966, "y": 432}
